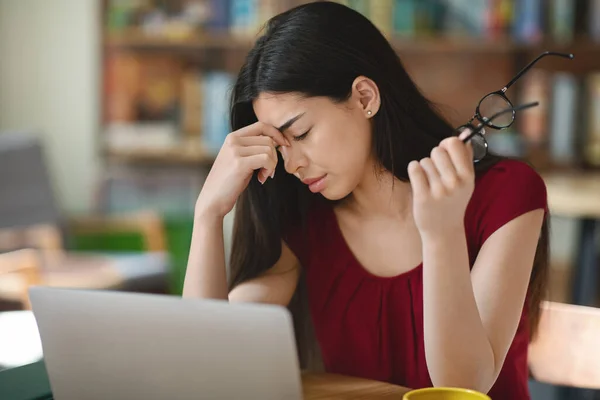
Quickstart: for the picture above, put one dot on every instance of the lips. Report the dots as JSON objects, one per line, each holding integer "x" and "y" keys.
{"x": 310, "y": 181}
{"x": 316, "y": 185}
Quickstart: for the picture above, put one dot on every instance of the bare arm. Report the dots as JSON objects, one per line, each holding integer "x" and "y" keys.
{"x": 206, "y": 273}
{"x": 276, "y": 286}
{"x": 249, "y": 149}
{"x": 206, "y": 276}
{"x": 470, "y": 318}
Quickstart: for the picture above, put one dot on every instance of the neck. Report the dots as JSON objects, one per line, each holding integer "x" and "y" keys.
{"x": 381, "y": 194}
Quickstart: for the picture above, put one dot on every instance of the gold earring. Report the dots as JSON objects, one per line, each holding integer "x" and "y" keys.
{"x": 369, "y": 112}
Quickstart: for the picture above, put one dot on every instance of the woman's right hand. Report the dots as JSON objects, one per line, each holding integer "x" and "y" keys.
{"x": 244, "y": 151}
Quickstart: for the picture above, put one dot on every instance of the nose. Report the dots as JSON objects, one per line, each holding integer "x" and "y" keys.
{"x": 293, "y": 159}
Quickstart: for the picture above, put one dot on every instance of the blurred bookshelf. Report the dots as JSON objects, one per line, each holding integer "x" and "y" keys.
{"x": 135, "y": 40}
{"x": 174, "y": 154}
{"x": 168, "y": 67}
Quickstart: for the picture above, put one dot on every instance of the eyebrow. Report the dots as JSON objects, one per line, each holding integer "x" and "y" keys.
{"x": 289, "y": 123}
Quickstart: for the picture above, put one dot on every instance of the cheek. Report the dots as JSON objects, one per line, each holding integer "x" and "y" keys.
{"x": 355, "y": 144}
{"x": 344, "y": 151}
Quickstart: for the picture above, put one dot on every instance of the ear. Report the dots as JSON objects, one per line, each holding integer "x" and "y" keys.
{"x": 366, "y": 92}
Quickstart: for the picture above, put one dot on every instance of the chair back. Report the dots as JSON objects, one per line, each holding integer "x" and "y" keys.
{"x": 27, "y": 197}
{"x": 566, "y": 350}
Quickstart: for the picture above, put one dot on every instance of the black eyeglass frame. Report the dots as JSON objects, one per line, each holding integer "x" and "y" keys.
{"x": 487, "y": 121}
{"x": 476, "y": 130}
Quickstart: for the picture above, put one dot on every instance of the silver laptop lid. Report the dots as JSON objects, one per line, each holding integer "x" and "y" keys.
{"x": 115, "y": 345}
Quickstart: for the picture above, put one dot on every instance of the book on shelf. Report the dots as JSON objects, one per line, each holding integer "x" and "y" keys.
{"x": 563, "y": 118}
{"x": 362, "y": 6}
{"x": 381, "y": 14}
{"x": 120, "y": 87}
{"x": 567, "y": 120}
{"x": 159, "y": 90}
{"x": 592, "y": 142}
{"x": 219, "y": 16}
{"x": 593, "y": 20}
{"x": 142, "y": 100}
{"x": 528, "y": 21}
{"x": 524, "y": 21}
{"x": 403, "y": 21}
{"x": 217, "y": 87}
{"x": 171, "y": 191}
{"x": 534, "y": 122}
{"x": 562, "y": 20}
{"x": 192, "y": 18}
{"x": 465, "y": 18}
{"x": 244, "y": 17}
{"x": 141, "y": 87}
{"x": 191, "y": 103}
{"x": 155, "y": 100}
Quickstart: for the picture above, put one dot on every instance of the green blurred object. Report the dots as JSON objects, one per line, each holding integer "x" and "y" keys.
{"x": 29, "y": 382}
{"x": 359, "y": 5}
{"x": 179, "y": 239}
{"x": 178, "y": 234}
{"x": 112, "y": 242}
{"x": 404, "y": 17}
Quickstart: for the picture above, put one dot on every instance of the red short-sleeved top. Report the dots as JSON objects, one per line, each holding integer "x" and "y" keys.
{"x": 372, "y": 327}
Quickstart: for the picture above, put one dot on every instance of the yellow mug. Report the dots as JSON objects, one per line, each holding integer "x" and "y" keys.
{"x": 444, "y": 393}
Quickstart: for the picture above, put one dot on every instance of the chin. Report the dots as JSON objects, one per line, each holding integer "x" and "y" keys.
{"x": 335, "y": 195}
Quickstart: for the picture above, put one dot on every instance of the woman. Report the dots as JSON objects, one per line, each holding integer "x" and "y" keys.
{"x": 420, "y": 268}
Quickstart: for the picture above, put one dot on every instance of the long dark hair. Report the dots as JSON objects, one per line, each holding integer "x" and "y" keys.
{"x": 318, "y": 49}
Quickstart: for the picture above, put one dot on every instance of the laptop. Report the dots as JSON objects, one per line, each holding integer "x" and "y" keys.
{"x": 117, "y": 345}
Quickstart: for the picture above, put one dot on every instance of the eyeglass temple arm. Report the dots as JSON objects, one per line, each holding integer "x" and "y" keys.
{"x": 488, "y": 121}
{"x": 531, "y": 64}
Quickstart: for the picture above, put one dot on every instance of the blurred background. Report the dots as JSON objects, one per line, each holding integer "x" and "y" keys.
{"x": 112, "y": 111}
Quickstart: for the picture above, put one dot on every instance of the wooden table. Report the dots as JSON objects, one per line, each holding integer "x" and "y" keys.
{"x": 31, "y": 382}
{"x": 318, "y": 386}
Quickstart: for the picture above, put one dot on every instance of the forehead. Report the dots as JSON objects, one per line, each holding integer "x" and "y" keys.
{"x": 275, "y": 109}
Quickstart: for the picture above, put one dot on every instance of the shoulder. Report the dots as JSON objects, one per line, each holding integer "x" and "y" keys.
{"x": 513, "y": 181}
{"x": 505, "y": 191}
{"x": 508, "y": 175}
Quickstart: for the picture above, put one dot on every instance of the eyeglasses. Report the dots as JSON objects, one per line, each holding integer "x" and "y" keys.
{"x": 476, "y": 131}
{"x": 496, "y": 107}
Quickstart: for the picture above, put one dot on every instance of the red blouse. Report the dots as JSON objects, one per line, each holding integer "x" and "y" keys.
{"x": 372, "y": 327}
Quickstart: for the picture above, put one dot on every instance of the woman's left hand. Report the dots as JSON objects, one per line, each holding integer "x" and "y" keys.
{"x": 442, "y": 186}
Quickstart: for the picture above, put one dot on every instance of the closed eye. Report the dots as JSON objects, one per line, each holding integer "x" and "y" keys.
{"x": 301, "y": 137}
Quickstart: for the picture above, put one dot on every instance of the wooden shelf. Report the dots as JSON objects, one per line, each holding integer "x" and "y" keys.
{"x": 454, "y": 45}
{"x": 177, "y": 154}
{"x": 135, "y": 40}
{"x": 579, "y": 46}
